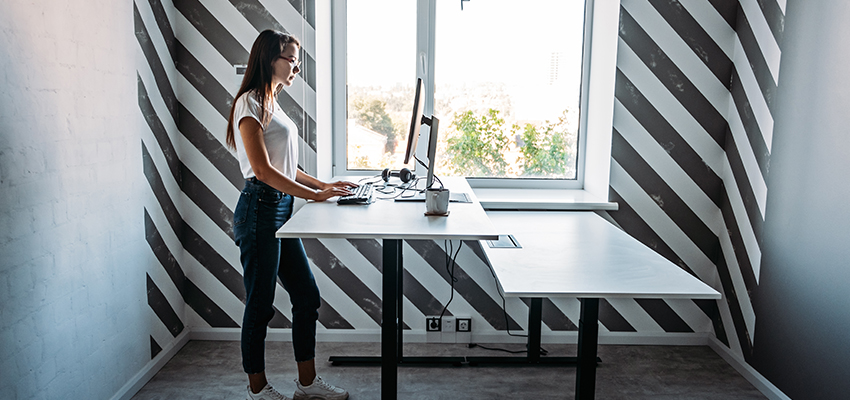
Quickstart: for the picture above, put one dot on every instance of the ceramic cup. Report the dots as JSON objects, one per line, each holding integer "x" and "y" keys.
{"x": 437, "y": 201}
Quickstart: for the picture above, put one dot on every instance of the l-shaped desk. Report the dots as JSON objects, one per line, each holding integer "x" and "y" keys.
{"x": 580, "y": 255}
{"x": 568, "y": 254}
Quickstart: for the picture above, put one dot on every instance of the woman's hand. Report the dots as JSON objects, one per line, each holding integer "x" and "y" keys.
{"x": 338, "y": 188}
{"x": 331, "y": 191}
{"x": 340, "y": 184}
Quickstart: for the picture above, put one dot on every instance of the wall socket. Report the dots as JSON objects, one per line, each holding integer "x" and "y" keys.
{"x": 464, "y": 329}
{"x": 432, "y": 324}
{"x": 448, "y": 329}
{"x": 433, "y": 328}
{"x": 448, "y": 333}
{"x": 448, "y": 324}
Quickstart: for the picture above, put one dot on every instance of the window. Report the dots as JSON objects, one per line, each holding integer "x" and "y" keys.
{"x": 504, "y": 77}
{"x": 380, "y": 83}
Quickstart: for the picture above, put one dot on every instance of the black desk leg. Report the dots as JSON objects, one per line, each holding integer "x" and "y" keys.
{"x": 399, "y": 296}
{"x": 588, "y": 337}
{"x": 390, "y": 334}
{"x": 535, "y": 314}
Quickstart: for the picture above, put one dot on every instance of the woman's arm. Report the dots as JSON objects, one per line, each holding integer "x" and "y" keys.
{"x": 258, "y": 156}
{"x": 310, "y": 181}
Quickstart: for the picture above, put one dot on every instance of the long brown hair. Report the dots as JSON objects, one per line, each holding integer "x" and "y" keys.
{"x": 258, "y": 75}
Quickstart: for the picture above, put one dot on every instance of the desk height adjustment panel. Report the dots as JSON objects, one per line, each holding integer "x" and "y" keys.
{"x": 505, "y": 241}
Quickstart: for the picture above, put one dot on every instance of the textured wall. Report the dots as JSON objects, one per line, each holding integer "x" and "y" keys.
{"x": 693, "y": 124}
{"x": 802, "y": 299}
{"x": 72, "y": 251}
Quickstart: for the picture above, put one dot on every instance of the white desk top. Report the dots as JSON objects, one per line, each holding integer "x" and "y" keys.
{"x": 579, "y": 254}
{"x": 388, "y": 219}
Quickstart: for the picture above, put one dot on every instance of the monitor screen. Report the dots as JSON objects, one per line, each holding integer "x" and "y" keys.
{"x": 415, "y": 121}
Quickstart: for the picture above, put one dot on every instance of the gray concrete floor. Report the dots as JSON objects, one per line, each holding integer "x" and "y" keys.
{"x": 212, "y": 370}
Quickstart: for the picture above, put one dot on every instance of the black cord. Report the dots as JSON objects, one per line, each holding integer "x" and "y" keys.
{"x": 420, "y": 162}
{"x": 450, "y": 269}
{"x": 451, "y": 262}
{"x": 412, "y": 187}
{"x": 543, "y": 351}
{"x": 504, "y": 306}
{"x": 471, "y": 345}
{"x": 436, "y": 178}
{"x": 403, "y": 187}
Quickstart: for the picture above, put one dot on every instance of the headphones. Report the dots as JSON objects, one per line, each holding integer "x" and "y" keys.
{"x": 404, "y": 174}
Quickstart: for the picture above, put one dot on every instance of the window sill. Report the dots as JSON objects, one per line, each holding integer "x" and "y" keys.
{"x": 541, "y": 199}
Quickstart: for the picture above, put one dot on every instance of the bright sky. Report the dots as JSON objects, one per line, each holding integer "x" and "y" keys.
{"x": 503, "y": 41}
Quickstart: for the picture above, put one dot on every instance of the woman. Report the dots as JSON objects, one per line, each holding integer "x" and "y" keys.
{"x": 266, "y": 143}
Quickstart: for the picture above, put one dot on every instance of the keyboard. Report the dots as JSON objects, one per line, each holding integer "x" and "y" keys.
{"x": 362, "y": 195}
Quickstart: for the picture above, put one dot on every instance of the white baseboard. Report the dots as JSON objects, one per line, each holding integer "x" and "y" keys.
{"x": 152, "y": 367}
{"x": 285, "y": 335}
{"x": 748, "y": 372}
{"x": 374, "y": 336}
{"x": 658, "y": 339}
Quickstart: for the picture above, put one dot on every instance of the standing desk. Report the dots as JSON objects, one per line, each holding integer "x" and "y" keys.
{"x": 392, "y": 222}
{"x": 579, "y": 254}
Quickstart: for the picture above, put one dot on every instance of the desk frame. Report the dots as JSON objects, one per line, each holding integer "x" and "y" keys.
{"x": 588, "y": 338}
{"x": 392, "y": 354}
{"x": 593, "y": 260}
{"x": 468, "y": 221}
{"x": 659, "y": 279}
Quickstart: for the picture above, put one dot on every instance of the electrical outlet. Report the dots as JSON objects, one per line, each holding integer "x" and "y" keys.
{"x": 464, "y": 329}
{"x": 432, "y": 324}
{"x": 432, "y": 329}
{"x": 448, "y": 324}
{"x": 448, "y": 330}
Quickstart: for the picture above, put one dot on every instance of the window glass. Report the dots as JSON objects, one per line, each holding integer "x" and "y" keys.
{"x": 381, "y": 51}
{"x": 507, "y": 87}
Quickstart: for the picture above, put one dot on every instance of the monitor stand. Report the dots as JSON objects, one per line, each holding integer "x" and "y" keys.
{"x": 454, "y": 197}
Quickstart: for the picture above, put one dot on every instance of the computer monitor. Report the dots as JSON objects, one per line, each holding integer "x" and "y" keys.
{"x": 416, "y": 121}
{"x": 432, "y": 149}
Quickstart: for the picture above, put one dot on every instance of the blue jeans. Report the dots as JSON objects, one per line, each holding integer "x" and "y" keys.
{"x": 260, "y": 212}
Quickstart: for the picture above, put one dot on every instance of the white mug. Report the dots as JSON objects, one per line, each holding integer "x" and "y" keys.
{"x": 437, "y": 201}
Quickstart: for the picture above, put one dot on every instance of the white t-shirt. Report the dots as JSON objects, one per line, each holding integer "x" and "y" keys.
{"x": 280, "y": 136}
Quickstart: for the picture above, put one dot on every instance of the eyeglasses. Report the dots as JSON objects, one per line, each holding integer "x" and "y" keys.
{"x": 295, "y": 64}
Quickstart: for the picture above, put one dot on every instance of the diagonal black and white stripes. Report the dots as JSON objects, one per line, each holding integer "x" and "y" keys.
{"x": 679, "y": 190}
{"x": 184, "y": 101}
{"x": 691, "y": 140}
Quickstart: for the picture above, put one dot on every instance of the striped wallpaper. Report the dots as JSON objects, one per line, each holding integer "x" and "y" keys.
{"x": 691, "y": 138}
{"x": 188, "y": 50}
{"x": 691, "y": 141}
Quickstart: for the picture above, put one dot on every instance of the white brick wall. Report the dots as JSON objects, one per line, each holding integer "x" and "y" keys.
{"x": 73, "y": 308}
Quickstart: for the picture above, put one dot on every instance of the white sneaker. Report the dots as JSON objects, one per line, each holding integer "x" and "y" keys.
{"x": 319, "y": 390}
{"x": 268, "y": 393}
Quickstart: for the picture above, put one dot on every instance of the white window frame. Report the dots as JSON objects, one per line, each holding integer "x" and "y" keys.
{"x": 597, "y": 97}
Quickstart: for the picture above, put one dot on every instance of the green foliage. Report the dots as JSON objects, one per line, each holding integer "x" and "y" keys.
{"x": 479, "y": 148}
{"x": 373, "y": 115}
{"x": 545, "y": 149}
